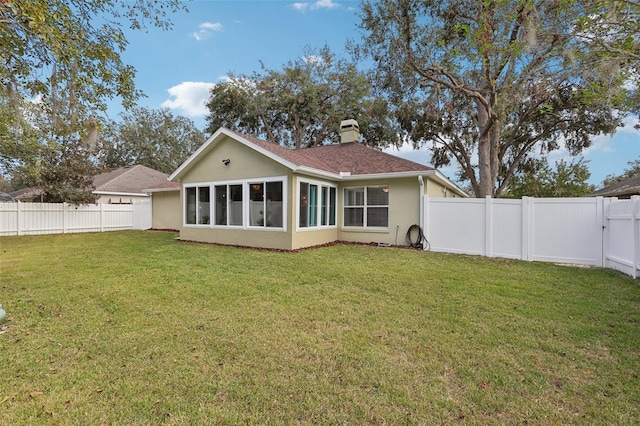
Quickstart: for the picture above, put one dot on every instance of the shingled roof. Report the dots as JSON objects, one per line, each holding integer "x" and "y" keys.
{"x": 623, "y": 189}
{"x": 128, "y": 179}
{"x": 352, "y": 158}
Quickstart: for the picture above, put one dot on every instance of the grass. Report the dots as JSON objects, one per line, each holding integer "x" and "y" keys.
{"x": 137, "y": 328}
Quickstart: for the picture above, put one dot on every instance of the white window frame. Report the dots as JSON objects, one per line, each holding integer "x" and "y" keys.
{"x": 320, "y": 185}
{"x": 365, "y": 206}
{"x": 184, "y": 205}
{"x": 245, "y": 203}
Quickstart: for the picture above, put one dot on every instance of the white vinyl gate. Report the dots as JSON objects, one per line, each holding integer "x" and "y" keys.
{"x": 591, "y": 231}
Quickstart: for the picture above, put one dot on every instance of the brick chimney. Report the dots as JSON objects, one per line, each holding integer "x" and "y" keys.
{"x": 349, "y": 131}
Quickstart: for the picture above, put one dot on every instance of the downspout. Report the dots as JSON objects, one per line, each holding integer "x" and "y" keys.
{"x": 420, "y": 201}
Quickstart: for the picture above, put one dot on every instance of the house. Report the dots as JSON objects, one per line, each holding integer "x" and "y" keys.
{"x": 29, "y": 195}
{"x": 623, "y": 189}
{"x": 239, "y": 190}
{"x": 125, "y": 185}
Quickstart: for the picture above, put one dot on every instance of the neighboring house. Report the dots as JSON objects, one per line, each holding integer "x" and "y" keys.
{"x": 623, "y": 189}
{"x": 239, "y": 190}
{"x": 125, "y": 185}
{"x": 27, "y": 195}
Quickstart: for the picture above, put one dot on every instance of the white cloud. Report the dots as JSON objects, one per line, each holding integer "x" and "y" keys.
{"x": 319, "y": 4}
{"x": 190, "y": 97}
{"x": 205, "y": 29}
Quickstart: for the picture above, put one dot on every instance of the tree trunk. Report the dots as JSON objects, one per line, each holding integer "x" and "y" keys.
{"x": 484, "y": 153}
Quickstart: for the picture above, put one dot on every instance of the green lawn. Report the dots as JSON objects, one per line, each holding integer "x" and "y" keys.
{"x": 137, "y": 328}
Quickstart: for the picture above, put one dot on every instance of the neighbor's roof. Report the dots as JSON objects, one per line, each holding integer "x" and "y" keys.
{"x": 128, "y": 179}
{"x": 624, "y": 188}
{"x": 345, "y": 161}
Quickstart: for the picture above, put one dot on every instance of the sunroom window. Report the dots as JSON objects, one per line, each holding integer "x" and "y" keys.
{"x": 317, "y": 205}
{"x": 198, "y": 209}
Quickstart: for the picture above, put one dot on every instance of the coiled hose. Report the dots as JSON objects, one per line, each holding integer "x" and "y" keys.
{"x": 420, "y": 241}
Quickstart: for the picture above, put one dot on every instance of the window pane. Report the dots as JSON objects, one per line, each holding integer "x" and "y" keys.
{"x": 235, "y": 205}
{"x": 304, "y": 205}
{"x": 256, "y": 204}
{"x": 204, "y": 211}
{"x": 353, "y": 216}
{"x": 313, "y": 205}
{"x": 354, "y": 196}
{"x": 378, "y": 216}
{"x": 332, "y": 206}
{"x": 274, "y": 204}
{"x": 377, "y": 196}
{"x": 191, "y": 205}
{"x": 221, "y": 204}
{"x": 323, "y": 206}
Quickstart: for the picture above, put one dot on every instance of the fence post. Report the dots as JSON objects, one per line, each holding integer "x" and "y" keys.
{"x": 18, "y": 221}
{"x": 101, "y": 216}
{"x": 64, "y": 218}
{"x": 600, "y": 221}
{"x": 488, "y": 233}
{"x": 635, "y": 227}
{"x": 524, "y": 254}
{"x": 425, "y": 225}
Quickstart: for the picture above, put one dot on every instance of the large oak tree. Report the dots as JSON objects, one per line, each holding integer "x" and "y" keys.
{"x": 303, "y": 104}
{"x": 492, "y": 84}
{"x": 62, "y": 59}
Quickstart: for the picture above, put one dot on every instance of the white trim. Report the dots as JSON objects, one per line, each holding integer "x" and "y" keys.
{"x": 152, "y": 190}
{"x": 121, "y": 194}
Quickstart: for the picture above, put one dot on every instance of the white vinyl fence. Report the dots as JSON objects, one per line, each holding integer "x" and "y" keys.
{"x": 590, "y": 231}
{"x": 622, "y": 242}
{"x": 62, "y": 218}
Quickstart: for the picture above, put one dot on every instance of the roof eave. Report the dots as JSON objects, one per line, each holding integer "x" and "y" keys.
{"x": 121, "y": 194}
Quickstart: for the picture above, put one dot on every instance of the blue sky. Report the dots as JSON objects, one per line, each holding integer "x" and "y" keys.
{"x": 176, "y": 68}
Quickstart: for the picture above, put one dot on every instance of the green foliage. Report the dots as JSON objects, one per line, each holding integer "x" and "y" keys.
{"x": 631, "y": 171}
{"x": 54, "y": 49}
{"x": 60, "y": 65}
{"x": 152, "y": 138}
{"x": 303, "y": 104}
{"x": 490, "y": 85}
{"x": 567, "y": 179}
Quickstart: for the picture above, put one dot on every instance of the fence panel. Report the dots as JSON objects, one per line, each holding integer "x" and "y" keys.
{"x": 455, "y": 225}
{"x": 565, "y": 230}
{"x": 58, "y": 218}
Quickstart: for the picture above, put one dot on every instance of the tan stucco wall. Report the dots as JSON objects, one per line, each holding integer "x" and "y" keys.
{"x": 167, "y": 210}
{"x": 245, "y": 164}
{"x": 436, "y": 189}
{"x": 404, "y": 211}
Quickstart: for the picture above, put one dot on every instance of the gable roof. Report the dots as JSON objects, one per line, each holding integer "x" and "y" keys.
{"x": 128, "y": 179}
{"x": 345, "y": 161}
{"x": 625, "y": 188}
